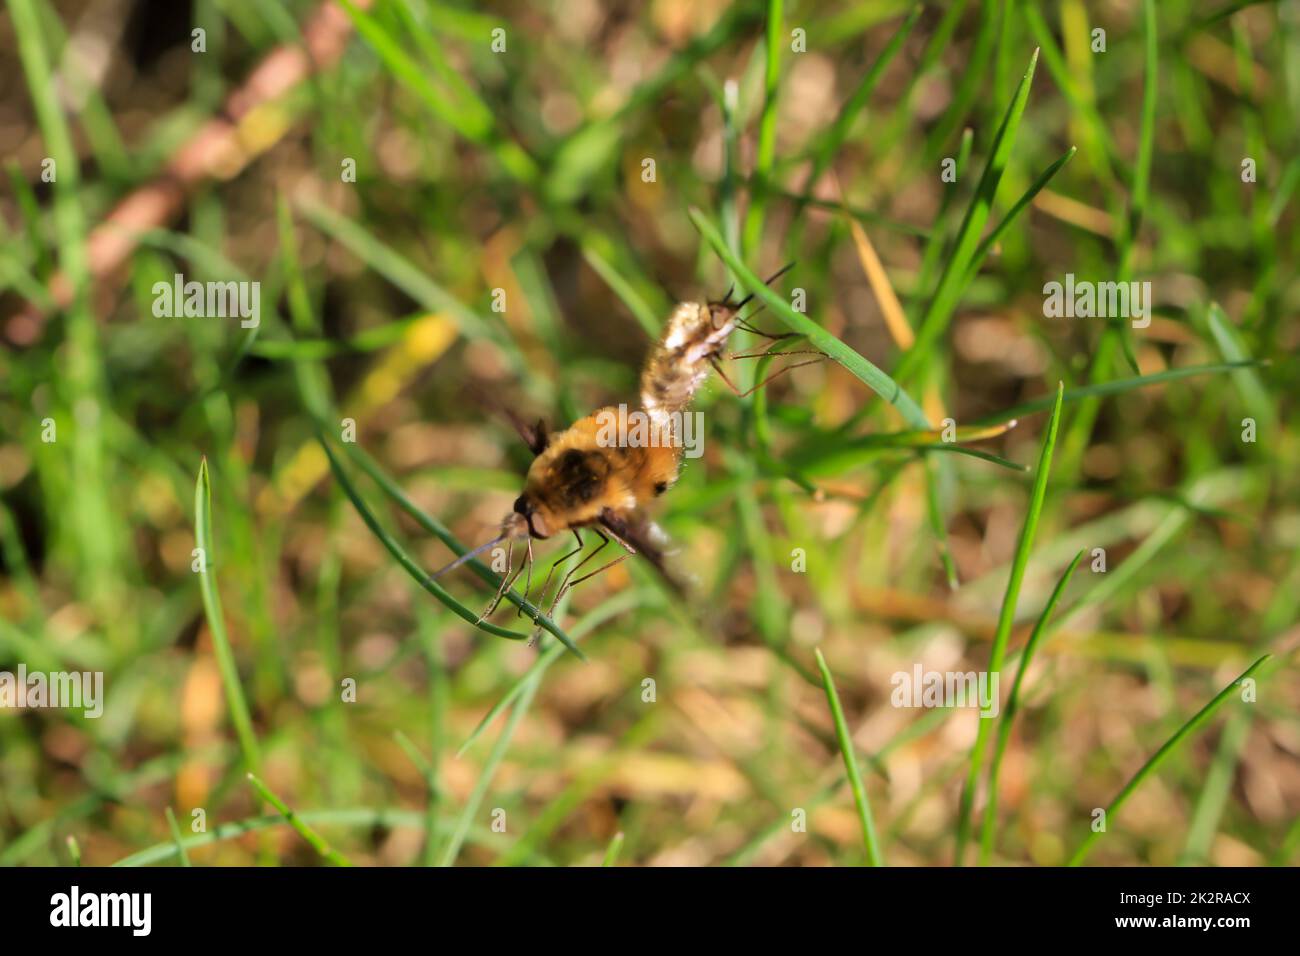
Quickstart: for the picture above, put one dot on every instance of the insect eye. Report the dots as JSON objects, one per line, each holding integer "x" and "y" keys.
{"x": 523, "y": 506}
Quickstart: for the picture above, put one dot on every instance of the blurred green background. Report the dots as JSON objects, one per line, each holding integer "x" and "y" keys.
{"x": 503, "y": 147}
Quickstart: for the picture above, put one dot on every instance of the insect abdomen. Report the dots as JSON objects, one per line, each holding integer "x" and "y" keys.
{"x": 679, "y": 361}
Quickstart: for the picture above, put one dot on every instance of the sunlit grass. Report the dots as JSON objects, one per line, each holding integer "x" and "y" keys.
{"x": 837, "y": 510}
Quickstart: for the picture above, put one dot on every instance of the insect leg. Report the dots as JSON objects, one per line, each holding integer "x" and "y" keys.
{"x": 565, "y": 583}
{"x": 542, "y": 593}
{"x": 771, "y": 350}
{"x": 777, "y": 373}
{"x": 775, "y": 337}
{"x": 739, "y": 394}
{"x": 568, "y": 584}
{"x": 560, "y": 590}
{"x": 746, "y": 322}
{"x": 505, "y": 582}
{"x": 723, "y": 375}
{"x": 528, "y": 582}
{"x": 766, "y": 352}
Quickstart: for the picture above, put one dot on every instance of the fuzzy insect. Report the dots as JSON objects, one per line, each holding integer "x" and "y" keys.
{"x": 580, "y": 480}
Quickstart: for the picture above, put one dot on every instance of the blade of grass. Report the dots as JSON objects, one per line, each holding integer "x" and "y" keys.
{"x": 938, "y": 527}
{"x": 829, "y": 143}
{"x": 405, "y": 560}
{"x": 1245, "y": 378}
{"x": 1148, "y": 768}
{"x": 1035, "y": 188}
{"x": 883, "y": 290}
{"x": 396, "y": 268}
{"x": 1141, "y": 171}
{"x": 753, "y": 231}
{"x": 176, "y": 837}
{"x": 1216, "y": 791}
{"x": 975, "y": 69}
{"x": 1287, "y": 848}
{"x": 386, "y": 817}
{"x": 430, "y": 775}
{"x": 989, "y": 833}
{"x": 593, "y": 147}
{"x": 494, "y": 758}
{"x": 1006, "y": 617}
{"x": 626, "y": 292}
{"x": 239, "y": 714}
{"x": 612, "y": 851}
{"x": 834, "y": 456}
{"x": 1146, "y": 134}
{"x": 1101, "y": 147}
{"x": 1119, "y": 334}
{"x": 850, "y": 764}
{"x": 583, "y": 784}
{"x": 318, "y": 843}
{"x": 954, "y": 278}
{"x": 468, "y": 115}
{"x": 439, "y": 530}
{"x": 618, "y": 604}
{"x": 938, "y": 241}
{"x": 818, "y": 337}
{"x": 1113, "y": 387}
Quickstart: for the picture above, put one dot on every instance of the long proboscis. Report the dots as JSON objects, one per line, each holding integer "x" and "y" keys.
{"x": 469, "y": 555}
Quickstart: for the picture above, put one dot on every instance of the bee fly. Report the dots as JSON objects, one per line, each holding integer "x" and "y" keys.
{"x": 577, "y": 481}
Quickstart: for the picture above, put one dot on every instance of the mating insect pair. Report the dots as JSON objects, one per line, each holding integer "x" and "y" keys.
{"x": 579, "y": 480}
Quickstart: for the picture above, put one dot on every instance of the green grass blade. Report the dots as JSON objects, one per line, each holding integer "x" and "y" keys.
{"x": 832, "y": 454}
{"x": 176, "y": 837}
{"x": 988, "y": 835}
{"x": 366, "y": 817}
{"x": 239, "y": 714}
{"x": 957, "y": 270}
{"x": 934, "y": 514}
{"x": 753, "y": 232}
{"x": 318, "y": 842}
{"x": 468, "y": 115}
{"x": 1101, "y": 147}
{"x": 1007, "y": 615}
{"x": 1216, "y": 791}
{"x": 1146, "y": 134}
{"x": 627, "y": 293}
{"x": 497, "y": 754}
{"x": 395, "y": 267}
{"x": 851, "y": 765}
{"x": 1038, "y": 186}
{"x": 938, "y": 238}
{"x": 819, "y": 338}
{"x": 612, "y": 851}
{"x": 1148, "y": 768}
{"x": 1245, "y": 378}
{"x": 1141, "y": 189}
{"x": 830, "y": 142}
{"x": 440, "y": 531}
{"x": 1114, "y": 387}
{"x": 405, "y": 560}
{"x": 618, "y": 604}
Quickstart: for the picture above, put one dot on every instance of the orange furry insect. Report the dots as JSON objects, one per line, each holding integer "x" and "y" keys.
{"x": 578, "y": 481}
